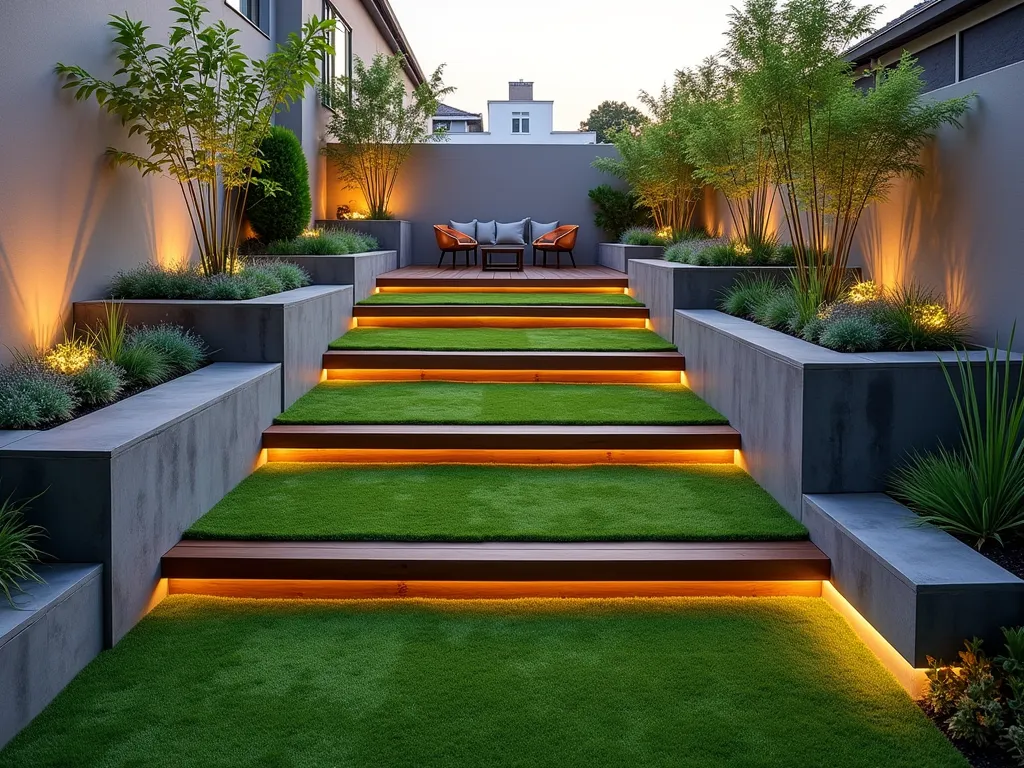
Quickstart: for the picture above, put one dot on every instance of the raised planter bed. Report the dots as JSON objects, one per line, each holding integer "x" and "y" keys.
{"x": 292, "y": 328}
{"x": 665, "y": 286}
{"x": 922, "y": 589}
{"x": 392, "y": 234}
{"x": 617, "y": 255}
{"x": 814, "y": 420}
{"x": 120, "y": 485}
{"x": 359, "y": 270}
{"x": 56, "y": 629}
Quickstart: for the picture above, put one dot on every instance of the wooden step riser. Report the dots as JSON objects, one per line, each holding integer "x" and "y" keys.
{"x": 497, "y": 561}
{"x": 499, "y": 322}
{"x": 533, "y": 457}
{"x": 503, "y": 311}
{"x": 509, "y": 377}
{"x": 333, "y": 589}
{"x": 504, "y": 361}
{"x": 533, "y": 286}
{"x": 504, "y": 282}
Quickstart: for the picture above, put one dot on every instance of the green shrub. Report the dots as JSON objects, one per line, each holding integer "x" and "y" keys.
{"x": 748, "y": 294}
{"x": 286, "y": 213}
{"x": 34, "y": 395}
{"x": 977, "y": 490}
{"x": 691, "y": 251}
{"x": 254, "y": 279}
{"x": 144, "y": 365}
{"x": 914, "y": 318}
{"x": 99, "y": 383}
{"x": 813, "y": 329}
{"x": 256, "y": 282}
{"x": 618, "y": 210}
{"x": 17, "y": 547}
{"x": 851, "y": 334}
{"x": 183, "y": 350}
{"x": 327, "y": 242}
{"x": 225, "y": 288}
{"x": 641, "y": 236}
{"x": 18, "y": 408}
{"x": 783, "y": 256}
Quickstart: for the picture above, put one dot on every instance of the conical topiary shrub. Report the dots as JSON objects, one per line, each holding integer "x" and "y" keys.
{"x": 284, "y": 215}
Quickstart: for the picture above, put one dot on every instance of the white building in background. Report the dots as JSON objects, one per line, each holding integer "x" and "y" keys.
{"x": 519, "y": 120}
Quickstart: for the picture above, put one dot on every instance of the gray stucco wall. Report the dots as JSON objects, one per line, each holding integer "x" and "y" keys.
{"x": 506, "y": 182}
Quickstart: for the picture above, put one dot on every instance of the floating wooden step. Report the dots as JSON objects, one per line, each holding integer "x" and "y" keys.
{"x": 533, "y": 278}
{"x": 365, "y": 311}
{"x": 494, "y": 361}
{"x": 480, "y": 437}
{"x": 495, "y": 561}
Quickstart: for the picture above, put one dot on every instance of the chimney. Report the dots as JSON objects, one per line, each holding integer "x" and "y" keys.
{"x": 520, "y": 90}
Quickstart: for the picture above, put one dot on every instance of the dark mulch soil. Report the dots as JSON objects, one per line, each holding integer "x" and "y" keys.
{"x": 978, "y": 757}
{"x": 1010, "y": 557}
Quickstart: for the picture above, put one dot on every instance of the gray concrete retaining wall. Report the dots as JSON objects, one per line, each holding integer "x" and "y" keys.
{"x": 119, "y": 485}
{"x": 292, "y": 328}
{"x": 617, "y": 255}
{"x": 56, "y": 629}
{"x": 813, "y": 420}
{"x": 359, "y": 270}
{"x": 392, "y": 234}
{"x": 923, "y": 590}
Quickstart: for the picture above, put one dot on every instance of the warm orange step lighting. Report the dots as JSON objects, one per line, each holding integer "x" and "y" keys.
{"x": 506, "y": 376}
{"x": 486, "y": 590}
{"x": 501, "y": 322}
{"x": 469, "y": 456}
{"x": 910, "y": 677}
{"x": 496, "y": 289}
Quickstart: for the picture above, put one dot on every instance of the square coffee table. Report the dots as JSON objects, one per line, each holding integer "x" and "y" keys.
{"x": 490, "y": 265}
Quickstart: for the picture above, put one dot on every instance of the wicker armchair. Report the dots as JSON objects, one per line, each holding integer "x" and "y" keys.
{"x": 452, "y": 241}
{"x": 557, "y": 241}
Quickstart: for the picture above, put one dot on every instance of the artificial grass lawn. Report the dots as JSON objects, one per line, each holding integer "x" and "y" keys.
{"x": 688, "y": 683}
{"x": 443, "y": 402}
{"x": 498, "y": 339}
{"x": 471, "y": 297}
{"x": 300, "y": 501}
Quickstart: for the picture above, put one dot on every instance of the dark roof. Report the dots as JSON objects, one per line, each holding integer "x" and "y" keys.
{"x": 387, "y": 24}
{"x": 922, "y": 18}
{"x": 443, "y": 110}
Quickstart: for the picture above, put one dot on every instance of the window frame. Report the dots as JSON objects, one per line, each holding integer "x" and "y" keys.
{"x": 328, "y": 66}
{"x": 261, "y": 22}
{"x": 518, "y": 121}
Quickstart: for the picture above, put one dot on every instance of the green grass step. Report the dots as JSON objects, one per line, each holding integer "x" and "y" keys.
{"x": 498, "y": 339}
{"x": 438, "y": 402}
{"x": 506, "y": 299}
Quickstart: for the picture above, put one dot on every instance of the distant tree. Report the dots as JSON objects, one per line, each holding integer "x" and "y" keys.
{"x": 612, "y": 116}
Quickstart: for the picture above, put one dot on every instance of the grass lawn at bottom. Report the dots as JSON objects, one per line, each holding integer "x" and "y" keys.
{"x": 300, "y": 501}
{"x": 442, "y": 402}
{"x": 686, "y": 683}
{"x": 508, "y": 299}
{"x": 506, "y": 339}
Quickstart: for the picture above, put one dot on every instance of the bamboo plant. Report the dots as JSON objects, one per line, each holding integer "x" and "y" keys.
{"x": 375, "y": 123}
{"x": 203, "y": 107}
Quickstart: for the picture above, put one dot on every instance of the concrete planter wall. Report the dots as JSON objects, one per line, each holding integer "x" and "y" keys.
{"x": 923, "y": 590}
{"x": 392, "y": 234}
{"x": 56, "y": 629}
{"x": 813, "y": 420}
{"x": 359, "y": 270}
{"x": 119, "y": 485}
{"x": 292, "y": 328}
{"x": 617, "y": 256}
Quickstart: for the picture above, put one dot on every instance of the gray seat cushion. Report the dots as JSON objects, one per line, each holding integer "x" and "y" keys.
{"x": 486, "y": 232}
{"x": 513, "y": 233}
{"x": 466, "y": 228}
{"x": 537, "y": 229}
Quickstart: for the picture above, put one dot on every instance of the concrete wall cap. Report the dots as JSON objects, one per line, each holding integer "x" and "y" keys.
{"x": 60, "y": 581}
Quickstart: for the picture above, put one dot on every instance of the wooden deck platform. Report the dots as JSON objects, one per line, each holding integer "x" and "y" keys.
{"x": 533, "y": 278}
{"x": 497, "y": 561}
{"x": 480, "y": 437}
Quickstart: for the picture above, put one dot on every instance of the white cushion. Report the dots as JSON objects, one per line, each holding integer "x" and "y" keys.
{"x": 486, "y": 232}
{"x": 512, "y": 233}
{"x": 537, "y": 229}
{"x": 466, "y": 228}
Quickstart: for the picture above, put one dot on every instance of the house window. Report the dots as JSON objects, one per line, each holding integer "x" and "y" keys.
{"x": 994, "y": 43}
{"x": 520, "y": 122}
{"x": 340, "y": 64}
{"x": 442, "y": 125}
{"x": 256, "y": 11}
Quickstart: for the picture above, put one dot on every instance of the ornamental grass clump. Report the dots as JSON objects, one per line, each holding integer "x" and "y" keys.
{"x": 641, "y": 236}
{"x": 183, "y": 350}
{"x": 323, "y": 242}
{"x": 251, "y": 279}
{"x": 18, "y": 552}
{"x": 32, "y": 395}
{"x": 975, "y": 490}
{"x": 100, "y": 383}
{"x": 748, "y": 295}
